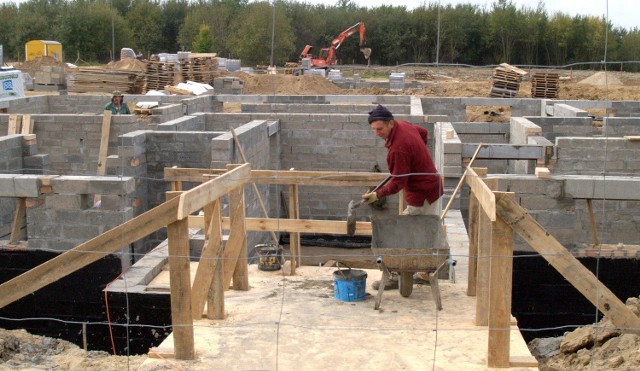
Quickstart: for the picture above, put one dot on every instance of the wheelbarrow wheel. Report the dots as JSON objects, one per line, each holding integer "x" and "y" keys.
{"x": 405, "y": 283}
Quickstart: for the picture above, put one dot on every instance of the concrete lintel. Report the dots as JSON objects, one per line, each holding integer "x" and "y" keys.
{"x": 481, "y": 128}
{"x": 602, "y": 187}
{"x": 504, "y": 151}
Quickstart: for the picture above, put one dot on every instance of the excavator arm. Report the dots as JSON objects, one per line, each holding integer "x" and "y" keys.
{"x": 327, "y": 56}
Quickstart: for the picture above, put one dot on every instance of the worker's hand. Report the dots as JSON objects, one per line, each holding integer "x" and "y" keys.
{"x": 370, "y": 197}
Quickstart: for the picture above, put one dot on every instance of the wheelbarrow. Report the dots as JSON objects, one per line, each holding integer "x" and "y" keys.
{"x": 407, "y": 244}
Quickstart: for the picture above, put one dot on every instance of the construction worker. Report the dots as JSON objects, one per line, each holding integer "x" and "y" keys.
{"x": 117, "y": 106}
{"x": 411, "y": 167}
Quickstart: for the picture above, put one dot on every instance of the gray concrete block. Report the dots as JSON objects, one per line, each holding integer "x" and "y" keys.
{"x": 69, "y": 184}
{"x": 27, "y": 185}
{"x": 66, "y": 201}
{"x": 7, "y": 185}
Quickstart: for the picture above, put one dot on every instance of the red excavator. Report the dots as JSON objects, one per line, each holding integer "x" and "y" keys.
{"x": 327, "y": 56}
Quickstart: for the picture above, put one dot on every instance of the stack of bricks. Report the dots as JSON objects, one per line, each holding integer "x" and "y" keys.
{"x": 506, "y": 81}
{"x": 228, "y": 85}
{"x": 545, "y": 85}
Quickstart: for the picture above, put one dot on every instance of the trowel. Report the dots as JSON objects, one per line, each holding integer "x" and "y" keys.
{"x": 353, "y": 205}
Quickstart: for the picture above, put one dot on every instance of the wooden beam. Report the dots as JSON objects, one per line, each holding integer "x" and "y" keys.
{"x": 209, "y": 259}
{"x": 567, "y": 265}
{"x": 180, "y": 283}
{"x": 484, "y": 194}
{"x": 294, "y": 237}
{"x": 88, "y": 252}
{"x": 594, "y": 226}
{"x": 18, "y": 218}
{"x": 290, "y": 225}
{"x": 14, "y": 125}
{"x": 284, "y": 177}
{"x": 501, "y": 271}
{"x": 483, "y": 273}
{"x": 474, "y": 217}
{"x": 104, "y": 148}
{"x": 207, "y": 192}
{"x": 237, "y": 239}
{"x": 237, "y": 216}
{"x": 27, "y": 125}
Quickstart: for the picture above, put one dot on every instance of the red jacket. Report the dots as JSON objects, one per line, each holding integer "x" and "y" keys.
{"x": 408, "y": 154}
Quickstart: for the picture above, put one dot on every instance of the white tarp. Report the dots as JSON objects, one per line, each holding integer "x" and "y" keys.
{"x": 11, "y": 85}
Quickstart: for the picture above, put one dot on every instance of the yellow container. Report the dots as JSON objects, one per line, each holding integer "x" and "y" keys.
{"x": 38, "y": 48}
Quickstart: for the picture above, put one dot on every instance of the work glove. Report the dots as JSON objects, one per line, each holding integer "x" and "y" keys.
{"x": 370, "y": 197}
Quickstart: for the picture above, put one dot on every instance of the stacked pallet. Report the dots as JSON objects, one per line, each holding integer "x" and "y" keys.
{"x": 545, "y": 85}
{"x": 199, "y": 68}
{"x": 506, "y": 81}
{"x": 160, "y": 74}
{"x": 105, "y": 81}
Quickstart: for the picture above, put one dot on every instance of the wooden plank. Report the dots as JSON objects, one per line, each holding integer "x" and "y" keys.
{"x": 234, "y": 244}
{"x": 104, "y": 148}
{"x": 180, "y": 283}
{"x": 18, "y": 218}
{"x": 567, "y": 265}
{"x": 88, "y": 252}
{"x": 27, "y": 125}
{"x": 210, "y": 191}
{"x": 215, "y": 299}
{"x": 486, "y": 198}
{"x": 294, "y": 237}
{"x": 14, "y": 125}
{"x": 473, "y": 237}
{"x": 209, "y": 259}
{"x": 501, "y": 271}
{"x": 473, "y": 245}
{"x": 237, "y": 216}
{"x": 483, "y": 269}
{"x": 284, "y": 177}
{"x": 594, "y": 226}
{"x": 290, "y": 225}
{"x": 632, "y": 137}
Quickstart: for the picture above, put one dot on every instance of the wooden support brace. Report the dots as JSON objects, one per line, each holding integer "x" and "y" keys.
{"x": 27, "y": 125}
{"x": 462, "y": 179}
{"x": 180, "y": 282}
{"x": 500, "y": 284}
{"x": 18, "y": 218}
{"x": 237, "y": 216}
{"x": 104, "y": 148}
{"x": 14, "y": 125}
{"x": 294, "y": 237}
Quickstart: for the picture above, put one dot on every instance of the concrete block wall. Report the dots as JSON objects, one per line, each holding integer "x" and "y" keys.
{"x": 35, "y": 104}
{"x": 611, "y": 156}
{"x": 448, "y": 150}
{"x": 11, "y": 165}
{"x": 520, "y": 131}
{"x": 565, "y": 110}
{"x": 620, "y": 126}
{"x": 254, "y": 139}
{"x": 65, "y": 218}
{"x": 625, "y": 108}
{"x": 554, "y": 127}
{"x": 454, "y": 108}
{"x": 559, "y": 205}
{"x": 313, "y": 108}
{"x": 184, "y": 123}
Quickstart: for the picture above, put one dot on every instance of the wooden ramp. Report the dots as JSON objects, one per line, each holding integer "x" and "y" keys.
{"x": 295, "y": 322}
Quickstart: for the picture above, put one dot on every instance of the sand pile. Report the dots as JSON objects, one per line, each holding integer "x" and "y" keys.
{"x": 127, "y": 64}
{"x": 35, "y": 64}
{"x": 289, "y": 85}
{"x": 601, "y": 79}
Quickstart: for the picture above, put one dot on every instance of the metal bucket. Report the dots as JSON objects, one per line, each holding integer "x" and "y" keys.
{"x": 349, "y": 285}
{"x": 269, "y": 257}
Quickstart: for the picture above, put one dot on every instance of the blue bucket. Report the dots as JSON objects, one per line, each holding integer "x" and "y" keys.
{"x": 349, "y": 285}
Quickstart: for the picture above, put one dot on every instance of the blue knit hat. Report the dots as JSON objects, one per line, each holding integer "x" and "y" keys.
{"x": 380, "y": 113}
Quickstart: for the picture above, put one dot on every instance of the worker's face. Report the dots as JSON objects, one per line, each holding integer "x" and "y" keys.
{"x": 382, "y": 128}
{"x": 117, "y": 98}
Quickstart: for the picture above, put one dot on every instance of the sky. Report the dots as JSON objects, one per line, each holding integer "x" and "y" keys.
{"x": 623, "y": 13}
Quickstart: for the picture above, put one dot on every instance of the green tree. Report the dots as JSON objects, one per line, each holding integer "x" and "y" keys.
{"x": 203, "y": 43}
{"x": 173, "y": 17}
{"x": 251, "y": 38}
{"x": 145, "y": 21}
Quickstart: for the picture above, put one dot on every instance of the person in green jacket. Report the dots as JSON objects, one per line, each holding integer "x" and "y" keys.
{"x": 117, "y": 106}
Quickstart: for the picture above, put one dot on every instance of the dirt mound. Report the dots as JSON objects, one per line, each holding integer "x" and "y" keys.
{"x": 601, "y": 79}
{"x": 20, "y": 349}
{"x": 35, "y": 64}
{"x": 127, "y": 64}
{"x": 289, "y": 85}
{"x": 599, "y": 347}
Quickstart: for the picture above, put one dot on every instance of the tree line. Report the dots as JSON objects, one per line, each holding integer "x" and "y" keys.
{"x": 462, "y": 34}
